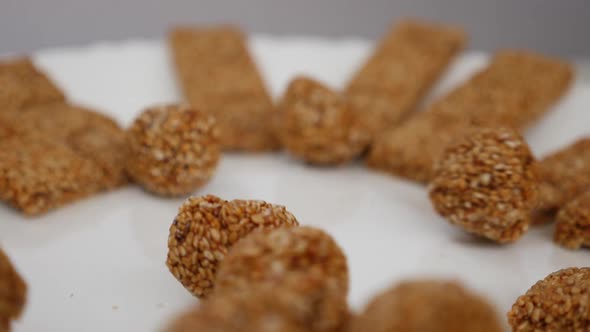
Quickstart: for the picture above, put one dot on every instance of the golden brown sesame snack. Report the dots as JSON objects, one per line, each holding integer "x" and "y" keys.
{"x": 218, "y": 74}
{"x": 37, "y": 175}
{"x": 23, "y": 86}
{"x": 302, "y": 260}
{"x": 403, "y": 67}
{"x": 415, "y": 160}
{"x": 514, "y": 90}
{"x": 572, "y": 229}
{"x": 564, "y": 175}
{"x": 256, "y": 310}
{"x": 13, "y": 293}
{"x": 276, "y": 255}
{"x": 89, "y": 134}
{"x": 56, "y": 120}
{"x": 427, "y": 305}
{"x": 316, "y": 124}
{"x": 102, "y": 141}
{"x": 51, "y": 155}
{"x": 204, "y": 230}
{"x": 485, "y": 183}
{"x": 560, "y": 302}
{"x": 173, "y": 149}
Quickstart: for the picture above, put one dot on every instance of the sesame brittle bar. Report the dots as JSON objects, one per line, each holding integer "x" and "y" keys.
{"x": 428, "y": 305}
{"x": 217, "y": 74}
{"x": 572, "y": 229}
{"x": 54, "y": 154}
{"x": 485, "y": 183}
{"x": 564, "y": 175}
{"x": 38, "y": 175}
{"x": 406, "y": 63}
{"x": 13, "y": 293}
{"x": 514, "y": 90}
{"x": 23, "y": 85}
{"x": 316, "y": 125}
{"x": 204, "y": 230}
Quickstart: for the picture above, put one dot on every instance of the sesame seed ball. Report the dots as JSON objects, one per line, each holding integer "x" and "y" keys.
{"x": 427, "y": 305}
{"x": 258, "y": 309}
{"x": 485, "y": 183}
{"x": 560, "y": 302}
{"x": 204, "y": 230}
{"x": 572, "y": 229}
{"x": 304, "y": 260}
{"x": 275, "y": 255}
{"x": 13, "y": 293}
{"x": 316, "y": 124}
{"x": 174, "y": 149}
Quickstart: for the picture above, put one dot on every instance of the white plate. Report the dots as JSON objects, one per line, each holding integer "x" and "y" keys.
{"x": 98, "y": 265}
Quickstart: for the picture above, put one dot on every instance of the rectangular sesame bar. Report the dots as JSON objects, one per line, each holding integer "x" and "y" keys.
{"x": 572, "y": 229}
{"x": 217, "y": 74}
{"x": 13, "y": 292}
{"x": 514, "y": 90}
{"x": 22, "y": 85}
{"x": 401, "y": 70}
{"x": 37, "y": 174}
{"x": 53, "y": 154}
{"x": 563, "y": 175}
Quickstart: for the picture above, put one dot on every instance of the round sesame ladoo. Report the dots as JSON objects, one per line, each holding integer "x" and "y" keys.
{"x": 258, "y": 309}
{"x": 13, "y": 293}
{"x": 173, "y": 149}
{"x": 485, "y": 183}
{"x": 560, "y": 302}
{"x": 304, "y": 261}
{"x": 427, "y": 305}
{"x": 204, "y": 230}
{"x": 277, "y": 255}
{"x": 317, "y": 125}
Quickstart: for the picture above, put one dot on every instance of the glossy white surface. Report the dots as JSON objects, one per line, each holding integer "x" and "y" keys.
{"x": 98, "y": 265}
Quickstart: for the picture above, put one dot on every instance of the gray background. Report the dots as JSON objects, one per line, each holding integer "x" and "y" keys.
{"x": 558, "y": 27}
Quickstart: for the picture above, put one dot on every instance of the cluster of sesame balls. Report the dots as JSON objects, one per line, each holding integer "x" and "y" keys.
{"x": 257, "y": 270}
{"x": 175, "y": 149}
{"x": 249, "y": 261}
